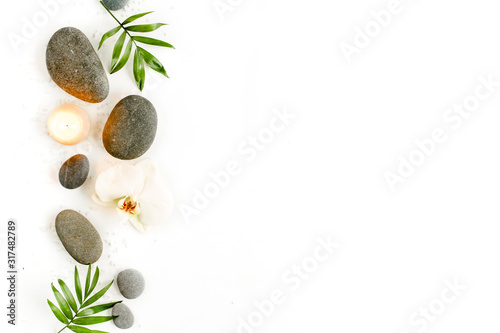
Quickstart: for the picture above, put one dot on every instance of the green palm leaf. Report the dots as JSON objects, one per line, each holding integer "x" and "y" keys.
{"x": 124, "y": 59}
{"x": 140, "y": 58}
{"x": 152, "y": 41}
{"x": 78, "y": 286}
{"x": 96, "y": 309}
{"x": 93, "y": 320}
{"x": 97, "y": 295}
{"x": 68, "y": 295}
{"x": 80, "y": 329}
{"x": 59, "y": 315}
{"x": 87, "y": 281}
{"x": 108, "y": 34}
{"x": 117, "y": 50}
{"x": 153, "y": 62}
{"x": 84, "y": 314}
{"x": 94, "y": 280}
{"x": 135, "y": 17}
{"x": 145, "y": 27}
{"x": 139, "y": 72}
{"x": 62, "y": 303}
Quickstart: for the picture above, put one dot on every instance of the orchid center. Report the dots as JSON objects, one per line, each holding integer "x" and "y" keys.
{"x": 129, "y": 205}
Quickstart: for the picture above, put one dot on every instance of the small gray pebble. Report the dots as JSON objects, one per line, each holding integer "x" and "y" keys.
{"x": 130, "y": 283}
{"x": 79, "y": 237}
{"x": 125, "y": 317}
{"x": 115, "y": 4}
{"x": 74, "y": 172}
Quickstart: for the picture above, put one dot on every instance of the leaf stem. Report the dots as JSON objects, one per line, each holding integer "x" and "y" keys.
{"x": 121, "y": 25}
{"x": 79, "y": 308}
{"x": 64, "y": 327}
{"x": 71, "y": 321}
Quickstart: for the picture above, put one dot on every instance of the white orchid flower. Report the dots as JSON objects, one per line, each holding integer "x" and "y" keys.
{"x": 137, "y": 192}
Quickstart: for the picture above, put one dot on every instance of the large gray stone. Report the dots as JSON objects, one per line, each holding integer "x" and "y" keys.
{"x": 125, "y": 317}
{"x": 79, "y": 237}
{"x": 115, "y": 4}
{"x": 130, "y": 283}
{"x": 74, "y": 65}
{"x": 74, "y": 172}
{"x": 131, "y": 128}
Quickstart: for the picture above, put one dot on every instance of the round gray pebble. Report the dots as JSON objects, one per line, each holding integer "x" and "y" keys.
{"x": 130, "y": 283}
{"x": 115, "y": 4}
{"x": 79, "y": 237}
{"x": 125, "y": 317}
{"x": 74, "y": 172}
{"x": 131, "y": 128}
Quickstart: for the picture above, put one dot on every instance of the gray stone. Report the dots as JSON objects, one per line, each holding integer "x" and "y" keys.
{"x": 115, "y": 4}
{"x": 130, "y": 283}
{"x": 74, "y": 65}
{"x": 125, "y": 317}
{"x": 79, "y": 237}
{"x": 131, "y": 128}
{"x": 74, "y": 172}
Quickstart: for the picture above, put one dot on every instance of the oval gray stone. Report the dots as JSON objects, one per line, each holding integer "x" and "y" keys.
{"x": 125, "y": 317}
{"x": 130, "y": 283}
{"x": 115, "y": 4}
{"x": 74, "y": 172}
{"x": 79, "y": 237}
{"x": 74, "y": 65}
{"x": 131, "y": 128}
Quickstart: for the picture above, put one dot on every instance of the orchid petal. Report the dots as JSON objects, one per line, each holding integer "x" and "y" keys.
{"x": 148, "y": 167}
{"x": 98, "y": 201}
{"x": 155, "y": 201}
{"x": 134, "y": 220}
{"x": 119, "y": 181}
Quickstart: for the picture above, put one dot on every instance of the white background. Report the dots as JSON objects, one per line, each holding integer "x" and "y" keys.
{"x": 322, "y": 176}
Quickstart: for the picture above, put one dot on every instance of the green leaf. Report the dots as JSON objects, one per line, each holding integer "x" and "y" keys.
{"x": 153, "y": 62}
{"x": 124, "y": 59}
{"x": 139, "y": 71}
{"x": 145, "y": 27}
{"x": 94, "y": 280}
{"x": 62, "y": 303}
{"x": 69, "y": 296}
{"x": 87, "y": 281}
{"x": 97, "y": 295}
{"x": 93, "y": 320}
{"x": 152, "y": 41}
{"x": 96, "y": 309}
{"x": 78, "y": 286}
{"x": 108, "y": 34}
{"x": 135, "y": 17}
{"x": 117, "y": 50}
{"x": 59, "y": 315}
{"x": 80, "y": 329}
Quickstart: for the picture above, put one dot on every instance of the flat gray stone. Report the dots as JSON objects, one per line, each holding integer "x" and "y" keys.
{"x": 74, "y": 172}
{"x": 115, "y": 4}
{"x": 74, "y": 65}
{"x": 131, "y": 128}
{"x": 79, "y": 237}
{"x": 130, "y": 283}
{"x": 125, "y": 317}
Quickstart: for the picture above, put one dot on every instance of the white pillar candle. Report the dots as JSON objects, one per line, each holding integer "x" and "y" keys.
{"x": 68, "y": 124}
